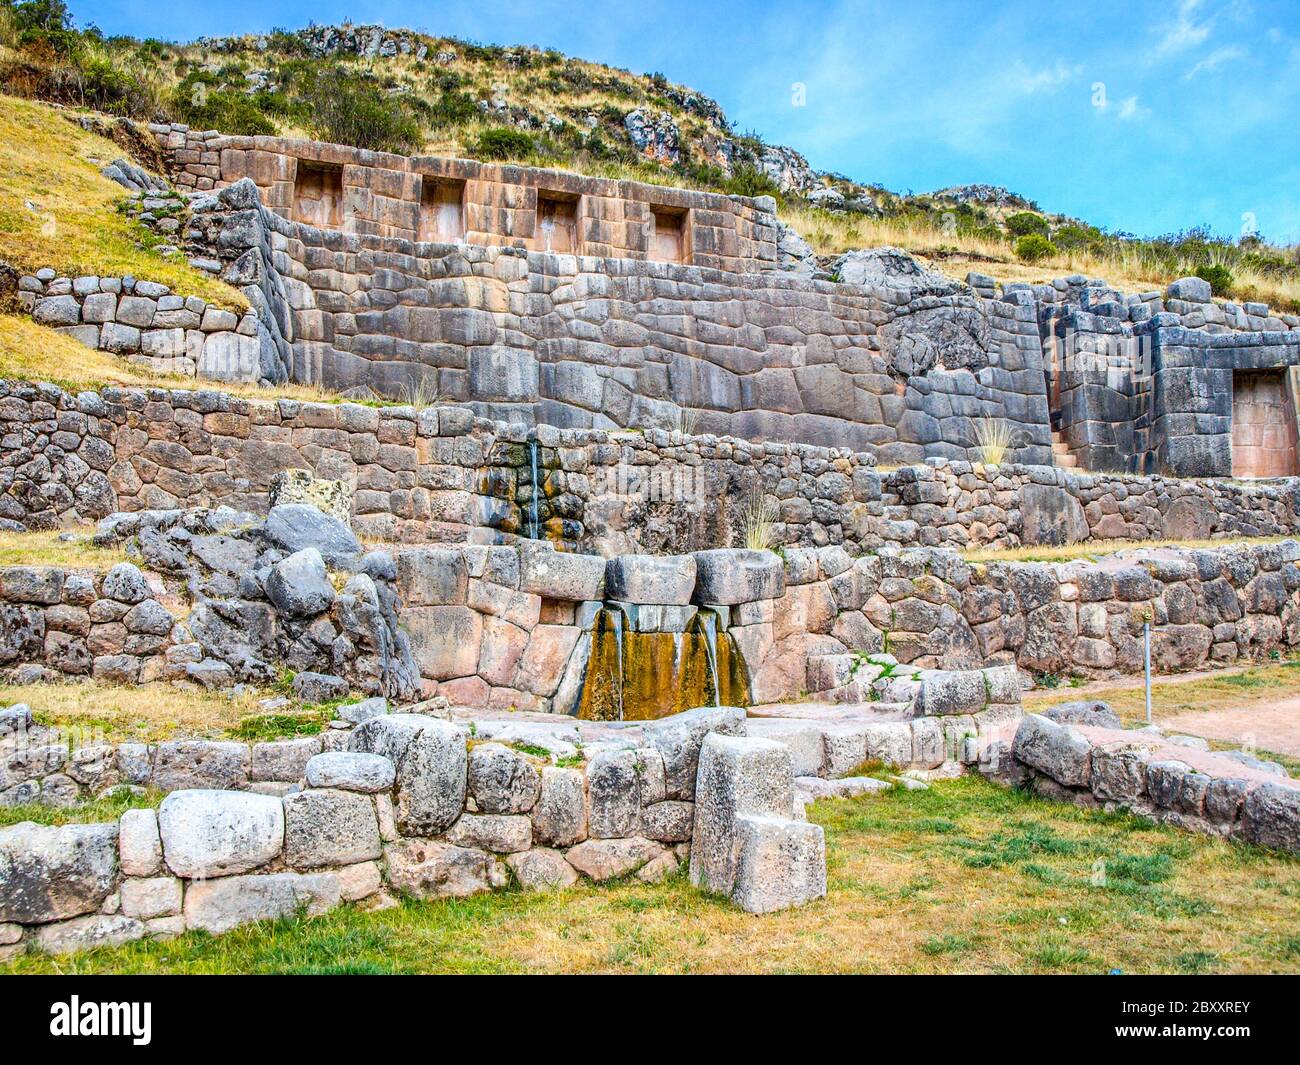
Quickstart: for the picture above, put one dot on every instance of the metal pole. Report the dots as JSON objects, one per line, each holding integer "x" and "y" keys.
{"x": 1146, "y": 663}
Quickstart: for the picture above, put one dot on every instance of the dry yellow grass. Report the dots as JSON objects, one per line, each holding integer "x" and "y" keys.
{"x": 57, "y": 210}
{"x": 145, "y": 712}
{"x": 48, "y": 549}
{"x": 31, "y": 352}
{"x": 1097, "y": 549}
{"x": 956, "y": 254}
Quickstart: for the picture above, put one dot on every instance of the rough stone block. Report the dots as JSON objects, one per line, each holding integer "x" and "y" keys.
{"x": 678, "y": 739}
{"x": 432, "y": 768}
{"x": 325, "y": 828}
{"x": 781, "y": 864}
{"x": 729, "y": 576}
{"x": 219, "y": 833}
{"x": 649, "y": 579}
{"x": 53, "y": 873}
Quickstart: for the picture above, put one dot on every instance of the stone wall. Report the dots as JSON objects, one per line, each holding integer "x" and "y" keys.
{"x": 149, "y": 326}
{"x": 381, "y": 195}
{"x": 439, "y": 474}
{"x": 1083, "y": 759}
{"x": 416, "y": 806}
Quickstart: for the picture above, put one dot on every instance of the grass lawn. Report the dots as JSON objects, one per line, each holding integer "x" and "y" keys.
{"x": 965, "y": 877}
{"x": 47, "y": 549}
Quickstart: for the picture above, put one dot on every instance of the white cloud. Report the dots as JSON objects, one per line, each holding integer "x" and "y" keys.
{"x": 1184, "y": 31}
{"x": 1216, "y": 59}
{"x": 1130, "y": 109}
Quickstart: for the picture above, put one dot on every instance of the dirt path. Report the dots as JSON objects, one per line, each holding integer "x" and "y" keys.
{"x": 1272, "y": 726}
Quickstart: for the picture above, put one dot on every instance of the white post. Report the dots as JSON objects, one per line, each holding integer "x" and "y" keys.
{"x": 1146, "y": 663}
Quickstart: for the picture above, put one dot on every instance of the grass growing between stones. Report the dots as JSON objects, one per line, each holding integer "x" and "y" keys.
{"x": 965, "y": 877}
{"x": 109, "y": 808}
{"x": 56, "y": 209}
{"x": 1099, "y": 549}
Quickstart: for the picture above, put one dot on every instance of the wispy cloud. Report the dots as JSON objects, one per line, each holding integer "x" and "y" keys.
{"x": 1216, "y": 59}
{"x": 1130, "y": 109}
{"x": 1186, "y": 30}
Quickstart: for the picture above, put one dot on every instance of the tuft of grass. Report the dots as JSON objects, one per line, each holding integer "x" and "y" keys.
{"x": 994, "y": 437}
{"x": 757, "y": 518}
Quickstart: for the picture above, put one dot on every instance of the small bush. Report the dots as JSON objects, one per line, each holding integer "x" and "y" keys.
{"x": 1034, "y": 246}
{"x": 351, "y": 108}
{"x": 229, "y": 112}
{"x": 501, "y": 143}
{"x": 1219, "y": 277}
{"x": 1024, "y": 223}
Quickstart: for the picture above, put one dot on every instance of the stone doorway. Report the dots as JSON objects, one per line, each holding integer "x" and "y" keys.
{"x": 318, "y": 195}
{"x": 1263, "y": 424}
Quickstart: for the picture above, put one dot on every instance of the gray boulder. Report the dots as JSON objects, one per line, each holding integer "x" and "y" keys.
{"x": 432, "y": 768}
{"x": 219, "y": 833}
{"x": 542, "y": 869}
{"x": 296, "y": 526}
{"x": 319, "y": 687}
{"x": 324, "y": 828}
{"x": 678, "y": 739}
{"x": 1271, "y": 817}
{"x": 49, "y": 874}
{"x": 781, "y": 864}
{"x": 125, "y": 583}
{"x": 502, "y": 781}
{"x": 729, "y": 576}
{"x": 560, "y": 815}
{"x": 299, "y": 586}
{"x": 426, "y": 869}
{"x": 1062, "y": 752}
{"x": 1084, "y": 712}
{"x": 351, "y": 771}
{"x": 217, "y": 906}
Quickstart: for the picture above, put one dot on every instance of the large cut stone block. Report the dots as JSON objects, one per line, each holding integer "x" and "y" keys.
{"x": 650, "y": 579}
{"x": 432, "y": 768}
{"x": 1062, "y": 752}
{"x": 1272, "y": 817}
{"x": 219, "y": 905}
{"x": 218, "y": 833}
{"x": 678, "y": 739}
{"x": 727, "y": 576}
{"x": 560, "y": 816}
{"x": 781, "y": 864}
{"x": 427, "y": 870}
{"x": 738, "y": 776}
{"x": 48, "y": 874}
{"x": 502, "y": 781}
{"x": 325, "y": 828}
{"x": 559, "y": 575}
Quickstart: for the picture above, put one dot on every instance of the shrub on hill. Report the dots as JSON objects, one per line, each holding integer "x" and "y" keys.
{"x": 1025, "y": 223}
{"x": 1219, "y": 277}
{"x": 501, "y": 143}
{"x": 1033, "y": 247}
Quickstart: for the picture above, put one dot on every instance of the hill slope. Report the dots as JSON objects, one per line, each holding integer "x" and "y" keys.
{"x": 409, "y": 92}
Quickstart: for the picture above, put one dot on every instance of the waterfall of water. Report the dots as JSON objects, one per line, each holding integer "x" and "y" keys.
{"x": 709, "y": 623}
{"x": 534, "y": 524}
{"x": 617, "y": 616}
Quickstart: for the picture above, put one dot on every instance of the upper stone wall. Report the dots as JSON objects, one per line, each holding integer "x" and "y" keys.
{"x": 382, "y": 194}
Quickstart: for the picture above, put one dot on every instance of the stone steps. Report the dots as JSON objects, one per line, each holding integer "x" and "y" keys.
{"x": 1061, "y": 455}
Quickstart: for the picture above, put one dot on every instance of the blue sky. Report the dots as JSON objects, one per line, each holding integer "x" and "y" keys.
{"x": 1141, "y": 117}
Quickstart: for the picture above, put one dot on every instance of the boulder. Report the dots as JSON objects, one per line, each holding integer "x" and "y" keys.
{"x": 219, "y": 833}
{"x": 426, "y": 869}
{"x": 738, "y": 776}
{"x": 667, "y": 580}
{"x": 678, "y": 739}
{"x": 296, "y": 526}
{"x": 87, "y": 933}
{"x": 560, "y": 815}
{"x": 781, "y": 864}
{"x": 670, "y": 821}
{"x": 150, "y": 897}
{"x": 217, "y": 906}
{"x": 1119, "y": 772}
{"x": 431, "y": 763}
{"x": 1062, "y": 752}
{"x": 559, "y": 574}
{"x": 319, "y": 687}
{"x": 299, "y": 586}
{"x": 125, "y": 583}
{"x": 52, "y": 873}
{"x": 1084, "y": 712}
{"x": 1051, "y": 515}
{"x": 502, "y": 781}
{"x": 542, "y": 869}
{"x": 1271, "y": 817}
{"x": 729, "y": 576}
{"x": 958, "y": 692}
{"x": 324, "y": 828}
{"x": 609, "y": 859}
{"x": 350, "y": 771}
{"x": 499, "y": 833}
{"x": 139, "y": 845}
{"x": 614, "y": 794}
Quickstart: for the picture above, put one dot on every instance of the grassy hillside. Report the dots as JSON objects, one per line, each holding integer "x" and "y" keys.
{"x": 408, "y": 92}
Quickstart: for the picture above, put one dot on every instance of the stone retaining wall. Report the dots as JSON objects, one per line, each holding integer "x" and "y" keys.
{"x": 1076, "y": 760}
{"x": 439, "y": 474}
{"x": 417, "y": 807}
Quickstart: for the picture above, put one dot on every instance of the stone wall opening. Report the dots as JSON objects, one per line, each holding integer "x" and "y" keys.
{"x": 557, "y": 222}
{"x": 1263, "y": 424}
{"x": 442, "y": 211}
{"x": 318, "y": 195}
{"x": 668, "y": 233}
